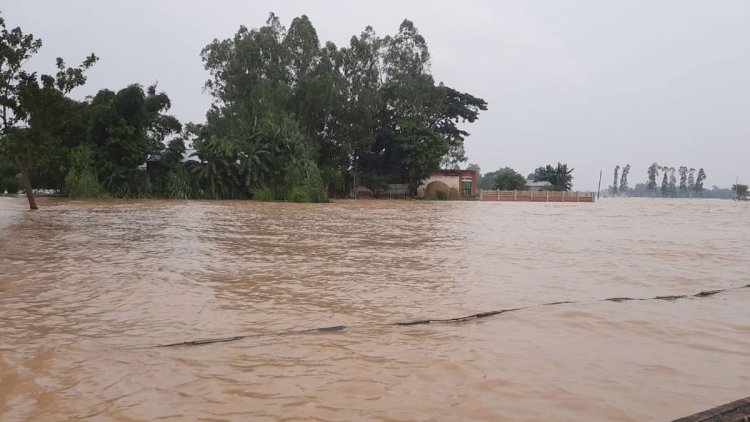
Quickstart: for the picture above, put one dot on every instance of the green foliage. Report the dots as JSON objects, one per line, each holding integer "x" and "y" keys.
{"x": 290, "y": 113}
{"x": 263, "y": 193}
{"x": 560, "y": 177}
{"x": 8, "y": 179}
{"x": 36, "y": 117}
{"x": 125, "y": 127}
{"x": 624, "y": 179}
{"x": 683, "y": 171}
{"x": 488, "y": 179}
{"x": 691, "y": 180}
{"x": 653, "y": 173}
{"x": 376, "y": 181}
{"x": 614, "y": 189}
{"x": 310, "y": 188}
{"x": 369, "y": 108}
{"x": 81, "y": 181}
{"x": 9, "y": 184}
{"x": 334, "y": 180}
{"x": 740, "y": 191}
{"x": 698, "y": 188}
{"x": 665, "y": 182}
{"x": 441, "y": 196}
{"x": 510, "y": 180}
{"x": 178, "y": 183}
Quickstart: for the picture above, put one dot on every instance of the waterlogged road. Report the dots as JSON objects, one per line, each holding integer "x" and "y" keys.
{"x": 87, "y": 288}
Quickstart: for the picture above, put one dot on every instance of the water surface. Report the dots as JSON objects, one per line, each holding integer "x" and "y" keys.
{"x": 87, "y": 288}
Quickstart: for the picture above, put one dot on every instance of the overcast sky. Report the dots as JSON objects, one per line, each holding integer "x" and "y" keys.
{"x": 590, "y": 83}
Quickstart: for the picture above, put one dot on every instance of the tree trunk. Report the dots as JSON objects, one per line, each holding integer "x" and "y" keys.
{"x": 26, "y": 184}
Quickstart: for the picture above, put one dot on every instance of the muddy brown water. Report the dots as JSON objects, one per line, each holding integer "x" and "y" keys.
{"x": 87, "y": 288}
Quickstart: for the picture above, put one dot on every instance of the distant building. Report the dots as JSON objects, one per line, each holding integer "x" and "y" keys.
{"x": 454, "y": 183}
{"x": 538, "y": 186}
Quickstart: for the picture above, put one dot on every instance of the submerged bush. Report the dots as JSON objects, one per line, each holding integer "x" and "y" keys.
{"x": 304, "y": 184}
{"x": 263, "y": 193}
{"x": 131, "y": 183}
{"x": 313, "y": 187}
{"x": 178, "y": 184}
{"x": 10, "y": 184}
{"x": 441, "y": 196}
{"x": 81, "y": 181}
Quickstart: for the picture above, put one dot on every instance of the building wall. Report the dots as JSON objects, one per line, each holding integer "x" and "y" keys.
{"x": 452, "y": 178}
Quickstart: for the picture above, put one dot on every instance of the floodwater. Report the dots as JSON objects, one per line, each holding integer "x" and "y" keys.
{"x": 88, "y": 288}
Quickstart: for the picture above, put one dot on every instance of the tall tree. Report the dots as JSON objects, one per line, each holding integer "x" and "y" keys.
{"x": 672, "y": 182}
{"x": 683, "y": 171}
{"x": 691, "y": 180}
{"x": 614, "y": 183}
{"x": 653, "y": 173}
{"x": 665, "y": 182}
{"x": 124, "y": 128}
{"x": 624, "y": 179}
{"x": 15, "y": 49}
{"x": 32, "y": 107}
{"x": 699, "y": 181}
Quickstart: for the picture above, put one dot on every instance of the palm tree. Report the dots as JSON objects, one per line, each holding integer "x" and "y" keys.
{"x": 560, "y": 177}
{"x": 217, "y": 173}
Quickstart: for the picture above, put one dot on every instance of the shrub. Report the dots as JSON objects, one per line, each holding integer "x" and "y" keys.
{"x": 10, "y": 184}
{"x": 131, "y": 183}
{"x": 80, "y": 181}
{"x": 178, "y": 183}
{"x": 441, "y": 196}
{"x": 263, "y": 193}
{"x": 299, "y": 194}
{"x": 306, "y": 185}
{"x": 334, "y": 180}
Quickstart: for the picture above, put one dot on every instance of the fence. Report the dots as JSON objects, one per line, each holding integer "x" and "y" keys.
{"x": 393, "y": 191}
{"x": 535, "y": 196}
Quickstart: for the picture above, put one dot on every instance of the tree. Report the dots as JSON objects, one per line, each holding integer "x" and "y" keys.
{"x": 614, "y": 183}
{"x": 683, "y": 171}
{"x": 672, "y": 182}
{"x": 699, "y": 181}
{"x": 510, "y": 180}
{"x": 624, "y": 179}
{"x": 560, "y": 177}
{"x": 691, "y": 180}
{"x": 15, "y": 49}
{"x": 740, "y": 191}
{"x": 123, "y": 129}
{"x": 33, "y": 109}
{"x": 478, "y": 171}
{"x": 665, "y": 182}
{"x": 653, "y": 173}
{"x": 488, "y": 180}
{"x": 369, "y": 108}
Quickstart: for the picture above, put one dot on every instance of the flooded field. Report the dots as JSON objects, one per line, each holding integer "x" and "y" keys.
{"x": 87, "y": 289}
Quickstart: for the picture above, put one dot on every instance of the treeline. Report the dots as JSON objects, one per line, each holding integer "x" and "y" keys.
{"x": 291, "y": 119}
{"x": 560, "y": 178}
{"x": 690, "y": 184}
{"x": 642, "y": 190}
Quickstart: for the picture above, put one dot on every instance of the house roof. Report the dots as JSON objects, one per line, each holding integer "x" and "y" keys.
{"x": 542, "y": 184}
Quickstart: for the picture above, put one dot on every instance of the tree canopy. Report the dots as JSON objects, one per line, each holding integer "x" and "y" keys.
{"x": 560, "y": 177}
{"x": 292, "y": 116}
{"x": 510, "y": 180}
{"x": 370, "y": 108}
